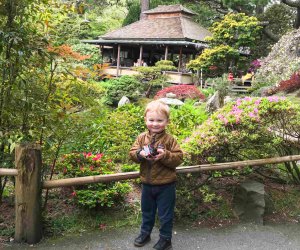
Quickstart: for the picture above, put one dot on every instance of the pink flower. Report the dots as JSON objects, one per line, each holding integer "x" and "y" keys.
{"x": 255, "y": 110}
{"x": 257, "y": 102}
{"x": 273, "y": 98}
{"x": 88, "y": 154}
{"x": 247, "y": 98}
{"x": 251, "y": 114}
{"x": 74, "y": 194}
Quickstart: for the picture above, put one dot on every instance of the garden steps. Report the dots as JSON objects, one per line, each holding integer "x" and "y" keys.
{"x": 233, "y": 88}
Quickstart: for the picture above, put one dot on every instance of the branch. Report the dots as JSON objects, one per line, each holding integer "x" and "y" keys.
{"x": 270, "y": 34}
{"x": 291, "y": 3}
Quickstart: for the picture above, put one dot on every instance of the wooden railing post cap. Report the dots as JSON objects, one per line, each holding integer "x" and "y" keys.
{"x": 31, "y": 145}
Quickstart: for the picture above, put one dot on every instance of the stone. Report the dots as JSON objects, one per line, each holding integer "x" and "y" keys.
{"x": 249, "y": 202}
{"x": 171, "y": 101}
{"x": 124, "y": 100}
{"x": 171, "y": 95}
{"x": 213, "y": 103}
{"x": 227, "y": 99}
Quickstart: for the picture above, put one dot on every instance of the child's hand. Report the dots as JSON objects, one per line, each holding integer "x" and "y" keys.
{"x": 161, "y": 154}
{"x": 142, "y": 153}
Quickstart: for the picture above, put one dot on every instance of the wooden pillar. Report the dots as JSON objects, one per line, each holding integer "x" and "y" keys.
{"x": 141, "y": 55}
{"x": 28, "y": 161}
{"x": 101, "y": 51}
{"x": 118, "y": 60}
{"x": 180, "y": 59}
{"x": 114, "y": 53}
{"x": 166, "y": 52}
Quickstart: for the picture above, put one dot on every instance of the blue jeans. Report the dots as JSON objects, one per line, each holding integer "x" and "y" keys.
{"x": 162, "y": 199}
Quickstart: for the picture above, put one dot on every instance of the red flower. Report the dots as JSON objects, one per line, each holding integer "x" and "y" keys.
{"x": 102, "y": 226}
{"x": 74, "y": 194}
{"x": 91, "y": 168}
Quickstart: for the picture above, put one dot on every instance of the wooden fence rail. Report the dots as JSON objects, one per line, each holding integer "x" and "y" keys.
{"x": 28, "y": 189}
{"x": 187, "y": 169}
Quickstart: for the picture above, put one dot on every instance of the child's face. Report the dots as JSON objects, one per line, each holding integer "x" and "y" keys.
{"x": 156, "y": 122}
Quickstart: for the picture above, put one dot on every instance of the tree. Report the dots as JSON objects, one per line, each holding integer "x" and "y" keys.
{"x": 229, "y": 36}
{"x": 144, "y": 6}
{"x": 294, "y": 4}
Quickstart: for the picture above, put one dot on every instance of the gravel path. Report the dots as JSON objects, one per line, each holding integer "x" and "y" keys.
{"x": 237, "y": 237}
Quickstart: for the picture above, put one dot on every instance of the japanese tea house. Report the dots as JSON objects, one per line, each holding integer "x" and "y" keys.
{"x": 166, "y": 33}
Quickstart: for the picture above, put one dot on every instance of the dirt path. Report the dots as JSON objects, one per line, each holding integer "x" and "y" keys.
{"x": 237, "y": 237}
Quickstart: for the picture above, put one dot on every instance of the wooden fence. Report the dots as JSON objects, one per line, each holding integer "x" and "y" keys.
{"x": 28, "y": 188}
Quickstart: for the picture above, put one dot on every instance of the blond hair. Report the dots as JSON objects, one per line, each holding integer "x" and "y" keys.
{"x": 159, "y": 107}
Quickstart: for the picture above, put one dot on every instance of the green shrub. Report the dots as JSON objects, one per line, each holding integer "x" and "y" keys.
{"x": 89, "y": 50}
{"x": 123, "y": 86}
{"x": 165, "y": 65}
{"x": 115, "y": 132}
{"x": 185, "y": 119}
{"x": 130, "y": 167}
{"x": 89, "y": 164}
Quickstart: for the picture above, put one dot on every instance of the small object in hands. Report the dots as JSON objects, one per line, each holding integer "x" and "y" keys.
{"x": 151, "y": 151}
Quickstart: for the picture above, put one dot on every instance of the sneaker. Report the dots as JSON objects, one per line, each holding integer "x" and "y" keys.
{"x": 163, "y": 244}
{"x": 142, "y": 240}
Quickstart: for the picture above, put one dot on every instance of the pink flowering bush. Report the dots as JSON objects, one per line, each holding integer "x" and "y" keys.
{"x": 182, "y": 92}
{"x": 88, "y": 164}
{"x": 243, "y": 130}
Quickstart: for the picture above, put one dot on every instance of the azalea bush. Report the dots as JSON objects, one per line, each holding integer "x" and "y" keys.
{"x": 89, "y": 164}
{"x": 246, "y": 129}
{"x": 182, "y": 92}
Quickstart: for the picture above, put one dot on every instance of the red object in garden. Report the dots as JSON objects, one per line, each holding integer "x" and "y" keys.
{"x": 181, "y": 92}
{"x": 230, "y": 77}
{"x": 291, "y": 84}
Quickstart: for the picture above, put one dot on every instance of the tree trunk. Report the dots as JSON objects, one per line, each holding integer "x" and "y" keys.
{"x": 297, "y": 21}
{"x": 144, "y": 7}
{"x": 28, "y": 226}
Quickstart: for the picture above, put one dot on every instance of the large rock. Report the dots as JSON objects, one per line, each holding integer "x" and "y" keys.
{"x": 213, "y": 103}
{"x": 124, "y": 100}
{"x": 171, "y": 101}
{"x": 249, "y": 202}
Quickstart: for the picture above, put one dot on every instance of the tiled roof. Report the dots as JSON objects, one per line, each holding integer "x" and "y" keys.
{"x": 169, "y": 9}
{"x": 171, "y": 28}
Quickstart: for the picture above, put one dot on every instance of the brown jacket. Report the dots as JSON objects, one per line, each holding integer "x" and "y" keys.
{"x": 162, "y": 171}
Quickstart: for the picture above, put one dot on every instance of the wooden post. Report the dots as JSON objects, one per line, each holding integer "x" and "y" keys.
{"x": 118, "y": 60}
{"x": 180, "y": 59}
{"x": 166, "y": 53}
{"x": 141, "y": 55}
{"x": 101, "y": 51}
{"x": 28, "y": 188}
